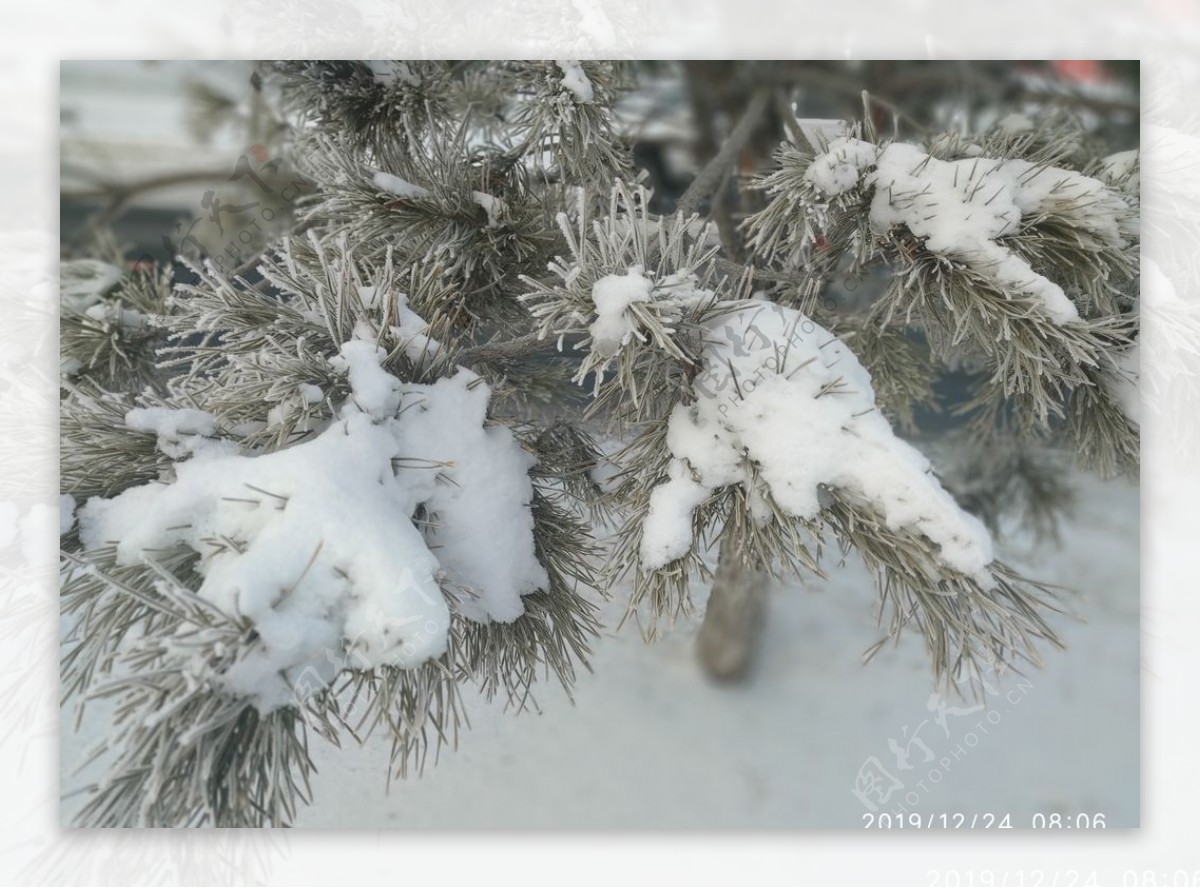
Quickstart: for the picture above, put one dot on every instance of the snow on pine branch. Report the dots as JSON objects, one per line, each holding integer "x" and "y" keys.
{"x": 633, "y": 283}
{"x": 963, "y": 208}
{"x": 316, "y": 544}
{"x": 780, "y": 393}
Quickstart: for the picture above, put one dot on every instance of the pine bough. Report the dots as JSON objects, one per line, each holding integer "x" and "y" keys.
{"x": 321, "y": 502}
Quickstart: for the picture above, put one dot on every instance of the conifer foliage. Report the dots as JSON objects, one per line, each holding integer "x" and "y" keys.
{"x": 311, "y": 500}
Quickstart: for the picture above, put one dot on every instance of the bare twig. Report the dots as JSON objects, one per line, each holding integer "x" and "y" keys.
{"x": 711, "y": 177}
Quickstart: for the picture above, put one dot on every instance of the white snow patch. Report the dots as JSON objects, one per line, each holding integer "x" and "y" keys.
{"x": 1014, "y": 123}
{"x": 312, "y": 394}
{"x": 613, "y": 294}
{"x": 397, "y": 186}
{"x": 782, "y": 393}
{"x": 819, "y": 132}
{"x": 66, "y": 513}
{"x": 83, "y": 282}
{"x": 493, "y": 206}
{"x": 962, "y": 208}
{"x": 388, "y": 72}
{"x": 181, "y": 432}
{"x": 481, "y": 527}
{"x": 327, "y": 562}
{"x": 316, "y": 544}
{"x": 376, "y": 391}
{"x": 413, "y": 332}
{"x": 576, "y": 82}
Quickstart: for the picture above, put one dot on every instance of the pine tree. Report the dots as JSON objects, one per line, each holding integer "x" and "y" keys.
{"x": 318, "y": 494}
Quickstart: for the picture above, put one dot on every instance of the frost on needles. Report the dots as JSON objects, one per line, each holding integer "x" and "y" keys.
{"x": 318, "y": 498}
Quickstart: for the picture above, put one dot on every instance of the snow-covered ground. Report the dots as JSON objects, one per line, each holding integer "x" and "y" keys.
{"x": 649, "y": 743}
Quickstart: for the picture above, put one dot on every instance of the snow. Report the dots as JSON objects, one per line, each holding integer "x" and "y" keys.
{"x": 781, "y": 393}
{"x": 493, "y": 206}
{"x": 117, "y": 315}
{"x": 325, "y": 558}
{"x": 397, "y": 186}
{"x": 376, "y": 391}
{"x": 820, "y": 132}
{"x": 1123, "y": 383}
{"x": 312, "y": 394}
{"x": 1014, "y": 123}
{"x": 411, "y": 329}
{"x": 664, "y": 749}
{"x": 1120, "y": 167}
{"x": 576, "y": 82}
{"x": 171, "y": 425}
{"x": 388, "y": 72}
{"x": 482, "y": 528}
{"x": 66, "y": 513}
{"x": 613, "y": 294}
{"x": 963, "y": 208}
{"x": 316, "y": 545}
{"x": 83, "y": 282}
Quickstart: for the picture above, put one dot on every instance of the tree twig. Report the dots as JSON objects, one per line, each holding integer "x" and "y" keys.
{"x": 711, "y": 177}
{"x": 507, "y": 349}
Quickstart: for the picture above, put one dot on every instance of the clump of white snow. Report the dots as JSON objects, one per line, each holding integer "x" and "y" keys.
{"x": 576, "y": 82}
{"x": 317, "y": 545}
{"x": 1014, "y": 123}
{"x": 397, "y": 186}
{"x": 84, "y": 282}
{"x": 312, "y": 394}
{"x": 311, "y": 544}
{"x": 493, "y": 206}
{"x": 474, "y": 481}
{"x": 376, "y": 391}
{"x": 613, "y": 294}
{"x": 66, "y": 513}
{"x": 819, "y": 132}
{"x": 181, "y": 432}
{"x": 388, "y": 72}
{"x": 782, "y": 394}
{"x": 963, "y": 208}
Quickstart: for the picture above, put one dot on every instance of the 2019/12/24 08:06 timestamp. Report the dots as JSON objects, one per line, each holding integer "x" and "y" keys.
{"x": 959, "y": 820}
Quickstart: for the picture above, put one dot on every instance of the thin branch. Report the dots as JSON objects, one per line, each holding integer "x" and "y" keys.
{"x": 711, "y": 177}
{"x": 508, "y": 349}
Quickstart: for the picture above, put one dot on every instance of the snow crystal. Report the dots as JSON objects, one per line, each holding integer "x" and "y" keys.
{"x": 316, "y": 544}
{"x": 575, "y": 81}
{"x": 613, "y": 294}
{"x": 397, "y": 186}
{"x": 961, "y": 208}
{"x": 781, "y": 393}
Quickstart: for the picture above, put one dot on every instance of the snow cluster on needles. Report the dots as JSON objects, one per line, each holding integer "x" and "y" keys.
{"x": 961, "y": 207}
{"x": 342, "y": 544}
{"x": 779, "y": 393}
